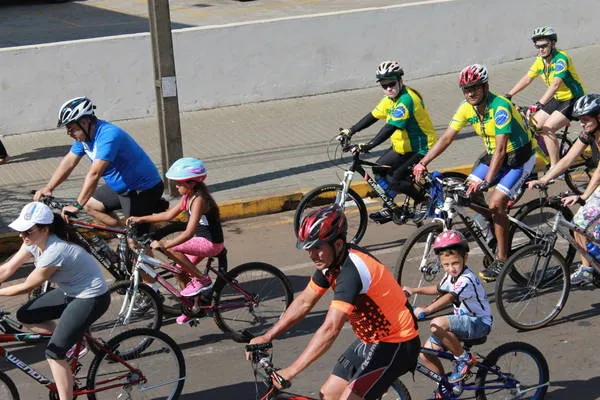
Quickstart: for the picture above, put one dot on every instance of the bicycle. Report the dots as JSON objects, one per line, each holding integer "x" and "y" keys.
{"x": 343, "y": 195}
{"x": 491, "y": 375}
{"x": 538, "y": 297}
{"x": 244, "y": 301}
{"x": 262, "y": 365}
{"x": 417, "y": 264}
{"x": 578, "y": 175}
{"x": 120, "y": 370}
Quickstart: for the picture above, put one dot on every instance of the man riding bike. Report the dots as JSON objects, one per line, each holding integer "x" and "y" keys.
{"x": 411, "y": 131}
{"x": 509, "y": 153}
{"x": 133, "y": 183}
{"x": 365, "y": 293}
{"x": 555, "y": 67}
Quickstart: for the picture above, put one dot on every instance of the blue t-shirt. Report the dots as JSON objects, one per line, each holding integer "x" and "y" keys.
{"x": 130, "y": 167}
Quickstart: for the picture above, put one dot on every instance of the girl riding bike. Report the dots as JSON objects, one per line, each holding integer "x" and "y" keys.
{"x": 80, "y": 299}
{"x": 203, "y": 236}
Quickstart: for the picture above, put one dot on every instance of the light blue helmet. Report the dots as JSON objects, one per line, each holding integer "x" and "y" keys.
{"x": 187, "y": 169}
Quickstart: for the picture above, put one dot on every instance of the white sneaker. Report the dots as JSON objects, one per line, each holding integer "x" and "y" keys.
{"x": 582, "y": 276}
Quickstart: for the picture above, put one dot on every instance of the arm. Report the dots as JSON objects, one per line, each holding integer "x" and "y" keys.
{"x": 199, "y": 207}
{"x": 549, "y": 93}
{"x": 34, "y": 279}
{"x": 91, "y": 180}
{"x": 441, "y": 145}
{"x": 431, "y": 290}
{"x": 167, "y": 215}
{"x": 66, "y": 166}
{"x": 439, "y": 303}
{"x": 498, "y": 157}
{"x": 520, "y": 85}
{"x": 364, "y": 123}
{"x": 11, "y": 266}
{"x": 383, "y": 134}
{"x": 592, "y": 185}
{"x": 576, "y": 149}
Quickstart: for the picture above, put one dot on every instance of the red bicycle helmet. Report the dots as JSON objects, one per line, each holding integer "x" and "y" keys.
{"x": 450, "y": 240}
{"x": 473, "y": 75}
{"x": 322, "y": 226}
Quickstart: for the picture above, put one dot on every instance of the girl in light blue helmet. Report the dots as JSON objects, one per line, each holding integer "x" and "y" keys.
{"x": 203, "y": 236}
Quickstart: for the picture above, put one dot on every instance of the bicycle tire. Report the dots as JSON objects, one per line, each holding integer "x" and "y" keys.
{"x": 148, "y": 315}
{"x": 541, "y": 222}
{"x": 8, "y": 389}
{"x": 231, "y": 320}
{"x": 398, "y": 389}
{"x": 325, "y": 195}
{"x": 577, "y": 176}
{"x": 425, "y": 235}
{"x": 104, "y": 366}
{"x": 511, "y": 349}
{"x": 513, "y": 299}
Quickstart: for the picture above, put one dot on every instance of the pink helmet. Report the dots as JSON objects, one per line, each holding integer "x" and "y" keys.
{"x": 450, "y": 240}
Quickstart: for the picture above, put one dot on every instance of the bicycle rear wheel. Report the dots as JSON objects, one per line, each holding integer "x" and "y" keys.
{"x": 519, "y": 364}
{"x": 146, "y": 312}
{"x": 396, "y": 392}
{"x": 8, "y": 389}
{"x": 417, "y": 264}
{"x": 578, "y": 175}
{"x": 535, "y": 301}
{"x": 254, "y": 300}
{"x": 154, "y": 372}
{"x": 354, "y": 209}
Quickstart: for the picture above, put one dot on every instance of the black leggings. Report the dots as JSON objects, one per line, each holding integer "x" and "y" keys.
{"x": 398, "y": 175}
{"x": 76, "y": 316}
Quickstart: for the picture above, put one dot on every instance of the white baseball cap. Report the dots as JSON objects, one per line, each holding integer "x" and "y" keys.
{"x": 33, "y": 213}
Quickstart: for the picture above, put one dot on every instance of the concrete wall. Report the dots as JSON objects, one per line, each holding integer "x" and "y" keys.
{"x": 296, "y": 56}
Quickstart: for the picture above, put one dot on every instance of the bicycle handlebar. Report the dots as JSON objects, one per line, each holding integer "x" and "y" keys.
{"x": 262, "y": 359}
{"x": 51, "y": 202}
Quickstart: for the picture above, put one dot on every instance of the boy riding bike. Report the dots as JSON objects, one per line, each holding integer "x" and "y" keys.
{"x": 509, "y": 152}
{"x": 203, "y": 236}
{"x": 472, "y": 318}
{"x": 411, "y": 131}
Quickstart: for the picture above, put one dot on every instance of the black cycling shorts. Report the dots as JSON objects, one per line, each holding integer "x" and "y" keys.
{"x": 564, "y": 107}
{"x": 371, "y": 369}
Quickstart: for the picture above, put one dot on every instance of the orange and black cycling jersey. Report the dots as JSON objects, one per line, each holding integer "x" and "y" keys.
{"x": 367, "y": 292}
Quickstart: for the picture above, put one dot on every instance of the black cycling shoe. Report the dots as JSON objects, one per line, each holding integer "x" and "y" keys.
{"x": 382, "y": 216}
{"x": 492, "y": 271}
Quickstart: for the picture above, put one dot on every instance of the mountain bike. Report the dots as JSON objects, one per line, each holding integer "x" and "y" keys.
{"x": 417, "y": 264}
{"x": 354, "y": 206}
{"x": 541, "y": 293}
{"x": 121, "y": 370}
{"x": 262, "y": 365}
{"x": 498, "y": 373}
{"x": 578, "y": 175}
{"x": 244, "y": 302}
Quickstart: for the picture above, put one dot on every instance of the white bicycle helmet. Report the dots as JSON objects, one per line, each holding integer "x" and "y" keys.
{"x": 587, "y": 105}
{"x": 389, "y": 70}
{"x": 187, "y": 169}
{"x": 75, "y": 109}
{"x": 544, "y": 32}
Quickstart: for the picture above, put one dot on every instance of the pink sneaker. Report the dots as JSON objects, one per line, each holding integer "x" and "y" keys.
{"x": 197, "y": 285}
{"x": 183, "y": 319}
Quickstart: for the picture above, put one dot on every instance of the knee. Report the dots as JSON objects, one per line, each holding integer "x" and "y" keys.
{"x": 55, "y": 352}
{"x": 497, "y": 206}
{"x": 435, "y": 327}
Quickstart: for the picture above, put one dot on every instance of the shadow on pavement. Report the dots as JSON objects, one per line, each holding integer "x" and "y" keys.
{"x": 242, "y": 391}
{"x": 33, "y": 22}
{"x": 576, "y": 389}
{"x": 40, "y": 154}
{"x": 580, "y": 316}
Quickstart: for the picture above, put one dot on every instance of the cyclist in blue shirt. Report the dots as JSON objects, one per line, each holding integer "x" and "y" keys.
{"x": 133, "y": 183}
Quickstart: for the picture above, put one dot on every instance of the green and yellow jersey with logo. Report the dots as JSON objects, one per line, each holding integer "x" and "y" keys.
{"x": 561, "y": 66}
{"x": 415, "y": 131}
{"x": 500, "y": 118}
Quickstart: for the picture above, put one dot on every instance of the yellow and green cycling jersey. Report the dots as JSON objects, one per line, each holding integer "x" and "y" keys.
{"x": 561, "y": 66}
{"x": 415, "y": 132}
{"x": 500, "y": 118}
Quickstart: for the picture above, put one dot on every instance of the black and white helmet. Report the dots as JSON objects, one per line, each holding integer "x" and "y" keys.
{"x": 587, "y": 105}
{"x": 544, "y": 32}
{"x": 75, "y": 109}
{"x": 389, "y": 70}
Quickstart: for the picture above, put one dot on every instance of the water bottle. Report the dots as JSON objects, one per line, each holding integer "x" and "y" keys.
{"x": 103, "y": 249}
{"x": 593, "y": 250}
{"x": 386, "y": 187}
{"x": 484, "y": 226}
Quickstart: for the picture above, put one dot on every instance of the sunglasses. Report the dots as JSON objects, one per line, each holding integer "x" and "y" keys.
{"x": 388, "y": 85}
{"x": 541, "y": 46}
{"x": 29, "y": 231}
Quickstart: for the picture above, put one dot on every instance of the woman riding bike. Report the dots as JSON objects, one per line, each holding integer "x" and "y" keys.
{"x": 411, "y": 131}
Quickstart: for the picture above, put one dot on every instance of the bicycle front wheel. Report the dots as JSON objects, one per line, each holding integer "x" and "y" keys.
{"x": 397, "y": 391}
{"x": 326, "y": 195}
{"x": 250, "y": 300}
{"x": 154, "y": 372}
{"x": 146, "y": 311}
{"x": 417, "y": 264}
{"x": 578, "y": 175}
{"x": 536, "y": 300}
{"x": 522, "y": 369}
{"x": 8, "y": 389}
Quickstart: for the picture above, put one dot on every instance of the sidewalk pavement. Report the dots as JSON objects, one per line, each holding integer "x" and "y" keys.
{"x": 262, "y": 157}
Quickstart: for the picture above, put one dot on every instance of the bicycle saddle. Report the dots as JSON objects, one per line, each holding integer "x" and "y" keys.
{"x": 472, "y": 342}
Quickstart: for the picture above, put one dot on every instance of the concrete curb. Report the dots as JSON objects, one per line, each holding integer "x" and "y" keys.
{"x": 244, "y": 208}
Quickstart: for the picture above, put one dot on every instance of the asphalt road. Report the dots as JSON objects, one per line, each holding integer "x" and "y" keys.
{"x": 216, "y": 369}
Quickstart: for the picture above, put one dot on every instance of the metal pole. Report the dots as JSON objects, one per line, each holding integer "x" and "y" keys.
{"x": 165, "y": 82}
